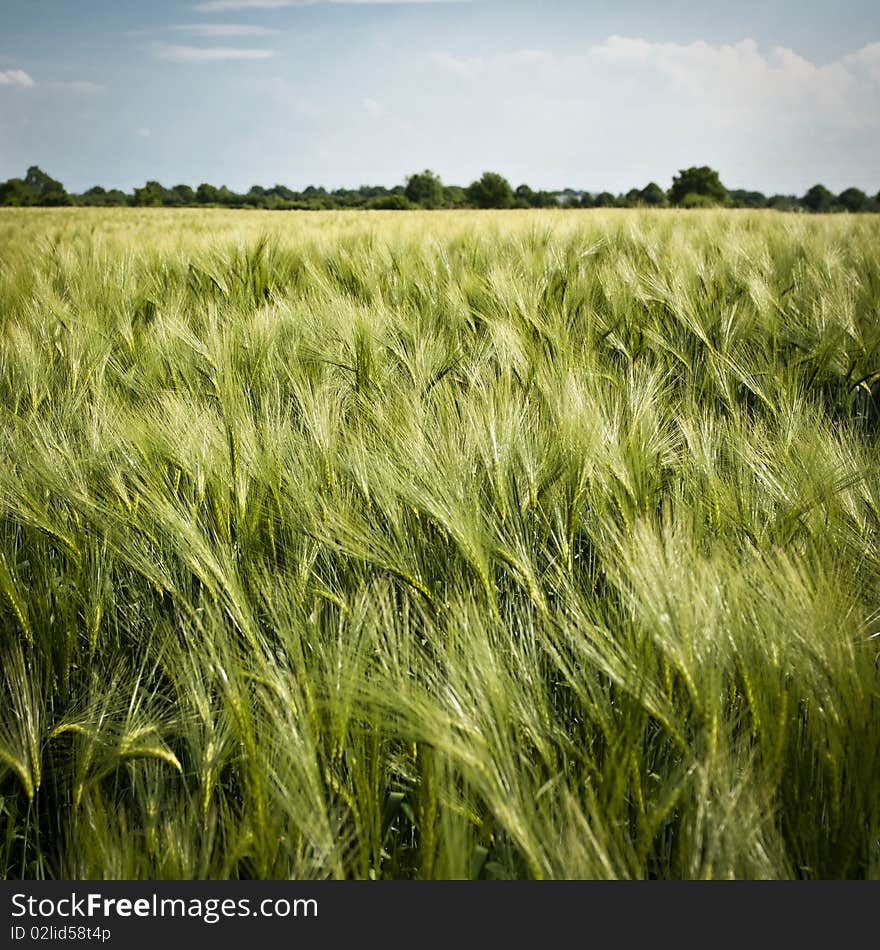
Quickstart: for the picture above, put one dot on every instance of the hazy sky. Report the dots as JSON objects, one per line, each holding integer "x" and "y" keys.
{"x": 595, "y": 95}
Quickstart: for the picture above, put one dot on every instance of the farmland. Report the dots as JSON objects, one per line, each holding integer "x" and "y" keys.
{"x": 526, "y": 544}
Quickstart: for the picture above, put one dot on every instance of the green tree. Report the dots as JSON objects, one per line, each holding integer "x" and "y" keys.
{"x": 783, "y": 202}
{"x": 694, "y": 199}
{"x": 282, "y": 192}
{"x": 567, "y": 198}
{"x": 547, "y": 199}
{"x": 98, "y": 197}
{"x": 181, "y": 195}
{"x": 390, "y": 203}
{"x": 15, "y": 193}
{"x": 853, "y": 199}
{"x": 150, "y": 196}
{"x": 491, "y": 191}
{"x": 740, "y": 198}
{"x": 424, "y": 189}
{"x": 604, "y": 200}
{"x": 524, "y": 197}
{"x": 818, "y": 199}
{"x": 454, "y": 196}
{"x": 43, "y": 189}
{"x": 652, "y": 194}
{"x": 700, "y": 180}
{"x": 226, "y": 196}
{"x": 206, "y": 194}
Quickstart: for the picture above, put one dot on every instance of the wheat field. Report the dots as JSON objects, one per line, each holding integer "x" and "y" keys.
{"x": 535, "y": 544}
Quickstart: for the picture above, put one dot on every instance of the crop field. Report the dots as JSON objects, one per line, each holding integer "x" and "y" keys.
{"x": 528, "y": 544}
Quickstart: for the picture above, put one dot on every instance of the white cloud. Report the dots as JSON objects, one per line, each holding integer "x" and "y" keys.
{"x": 737, "y": 83}
{"x": 224, "y": 29}
{"x": 15, "y": 77}
{"x": 731, "y": 85}
{"x": 465, "y": 68}
{"x": 866, "y": 60}
{"x": 628, "y": 110}
{"x": 373, "y": 108}
{"x": 473, "y": 66}
{"x": 18, "y": 77}
{"x": 210, "y": 54}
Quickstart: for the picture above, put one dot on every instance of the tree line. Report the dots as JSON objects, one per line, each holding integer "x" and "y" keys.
{"x": 695, "y": 187}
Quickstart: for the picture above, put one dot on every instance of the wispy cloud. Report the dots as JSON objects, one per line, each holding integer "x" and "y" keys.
{"x": 735, "y": 85}
{"x": 373, "y": 108}
{"x": 289, "y": 97}
{"x": 625, "y": 108}
{"x": 15, "y": 77}
{"x": 209, "y": 54}
{"x": 18, "y": 77}
{"x": 738, "y": 84}
{"x": 224, "y": 29}
{"x": 78, "y": 86}
{"x": 222, "y": 6}
{"x": 471, "y": 66}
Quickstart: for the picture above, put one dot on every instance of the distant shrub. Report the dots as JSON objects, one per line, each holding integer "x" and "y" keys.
{"x": 390, "y": 203}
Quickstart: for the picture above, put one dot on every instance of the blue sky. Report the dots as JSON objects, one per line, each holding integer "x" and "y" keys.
{"x": 556, "y": 93}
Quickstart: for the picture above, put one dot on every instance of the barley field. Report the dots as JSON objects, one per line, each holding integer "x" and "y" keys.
{"x": 535, "y": 544}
